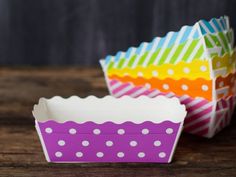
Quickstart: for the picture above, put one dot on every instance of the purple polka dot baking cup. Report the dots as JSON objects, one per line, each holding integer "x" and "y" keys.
{"x": 109, "y": 129}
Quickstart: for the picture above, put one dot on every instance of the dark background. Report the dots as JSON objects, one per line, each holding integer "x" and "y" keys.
{"x": 80, "y": 32}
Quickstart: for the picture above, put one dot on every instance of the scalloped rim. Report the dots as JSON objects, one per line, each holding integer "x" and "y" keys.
{"x": 110, "y": 77}
{"x": 224, "y": 17}
{"x": 108, "y": 108}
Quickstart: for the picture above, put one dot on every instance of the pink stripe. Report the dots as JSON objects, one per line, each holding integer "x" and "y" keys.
{"x": 153, "y": 95}
{"x": 120, "y": 88}
{"x": 187, "y": 100}
{"x": 143, "y": 93}
{"x": 132, "y": 90}
{"x": 198, "y": 105}
{"x": 197, "y": 125}
{"x": 112, "y": 82}
{"x": 196, "y": 116}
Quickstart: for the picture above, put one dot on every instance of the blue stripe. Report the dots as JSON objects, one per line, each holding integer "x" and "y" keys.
{"x": 150, "y": 45}
{"x": 139, "y": 50}
{"x": 117, "y": 57}
{"x": 196, "y": 35}
{"x": 208, "y": 25}
{"x": 223, "y": 23}
{"x": 161, "y": 42}
{"x": 185, "y": 34}
{"x": 203, "y": 30}
{"x": 216, "y": 24}
{"x": 107, "y": 59}
{"x": 128, "y": 53}
{"x": 173, "y": 39}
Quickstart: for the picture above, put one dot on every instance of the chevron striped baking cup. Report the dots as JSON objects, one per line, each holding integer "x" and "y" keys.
{"x": 203, "y": 48}
{"x": 109, "y": 129}
{"x": 199, "y": 29}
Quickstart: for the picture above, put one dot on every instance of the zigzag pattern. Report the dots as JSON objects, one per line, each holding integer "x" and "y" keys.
{"x": 217, "y": 44}
{"x": 200, "y": 111}
{"x": 185, "y": 33}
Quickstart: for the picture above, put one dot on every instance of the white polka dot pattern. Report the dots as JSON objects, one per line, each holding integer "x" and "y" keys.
{"x": 121, "y": 131}
{"x": 79, "y": 154}
{"x": 120, "y": 154}
{"x": 58, "y": 154}
{"x": 169, "y": 130}
{"x": 85, "y": 143}
{"x": 162, "y": 154}
{"x": 133, "y": 143}
{"x": 165, "y": 86}
{"x": 109, "y": 142}
{"x": 72, "y": 131}
{"x": 61, "y": 143}
{"x": 204, "y": 87}
{"x": 141, "y": 154}
{"x": 145, "y": 131}
{"x": 100, "y": 154}
{"x": 48, "y": 130}
{"x": 96, "y": 131}
{"x": 157, "y": 143}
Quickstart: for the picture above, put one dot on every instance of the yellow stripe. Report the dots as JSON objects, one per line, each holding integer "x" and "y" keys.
{"x": 192, "y": 70}
{"x": 228, "y": 60}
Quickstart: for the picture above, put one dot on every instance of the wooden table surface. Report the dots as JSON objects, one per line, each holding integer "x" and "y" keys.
{"x": 21, "y": 153}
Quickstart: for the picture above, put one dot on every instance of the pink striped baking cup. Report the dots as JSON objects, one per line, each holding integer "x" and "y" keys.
{"x": 204, "y": 118}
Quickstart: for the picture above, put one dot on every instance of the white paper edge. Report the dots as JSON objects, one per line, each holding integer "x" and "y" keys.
{"x": 42, "y": 141}
{"x": 108, "y": 108}
{"x": 181, "y": 127}
{"x": 102, "y": 63}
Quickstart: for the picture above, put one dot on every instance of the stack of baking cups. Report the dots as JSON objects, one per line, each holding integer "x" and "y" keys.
{"x": 195, "y": 64}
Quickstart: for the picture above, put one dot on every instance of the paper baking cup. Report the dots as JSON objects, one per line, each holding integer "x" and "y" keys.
{"x": 186, "y": 33}
{"x": 202, "y": 48}
{"x": 109, "y": 129}
{"x": 204, "y": 118}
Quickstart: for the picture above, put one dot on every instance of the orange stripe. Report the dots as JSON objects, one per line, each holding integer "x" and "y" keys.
{"x": 194, "y": 88}
{"x": 226, "y": 82}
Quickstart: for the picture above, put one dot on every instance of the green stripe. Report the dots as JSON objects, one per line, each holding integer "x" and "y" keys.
{"x": 165, "y": 55}
{"x": 199, "y": 53}
{"x": 131, "y": 61}
{"x": 176, "y": 54}
{"x": 216, "y": 42}
{"x": 222, "y": 36}
{"x": 190, "y": 50}
{"x": 142, "y": 59}
{"x": 110, "y": 65}
{"x": 153, "y": 57}
{"x": 121, "y": 62}
{"x": 208, "y": 43}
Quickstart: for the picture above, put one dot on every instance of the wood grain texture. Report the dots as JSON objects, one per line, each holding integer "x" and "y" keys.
{"x": 21, "y": 153}
{"x": 80, "y": 32}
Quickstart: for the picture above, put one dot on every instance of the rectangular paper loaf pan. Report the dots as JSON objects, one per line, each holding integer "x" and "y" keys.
{"x": 109, "y": 129}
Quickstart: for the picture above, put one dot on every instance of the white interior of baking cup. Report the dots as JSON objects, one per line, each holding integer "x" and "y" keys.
{"x": 117, "y": 110}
